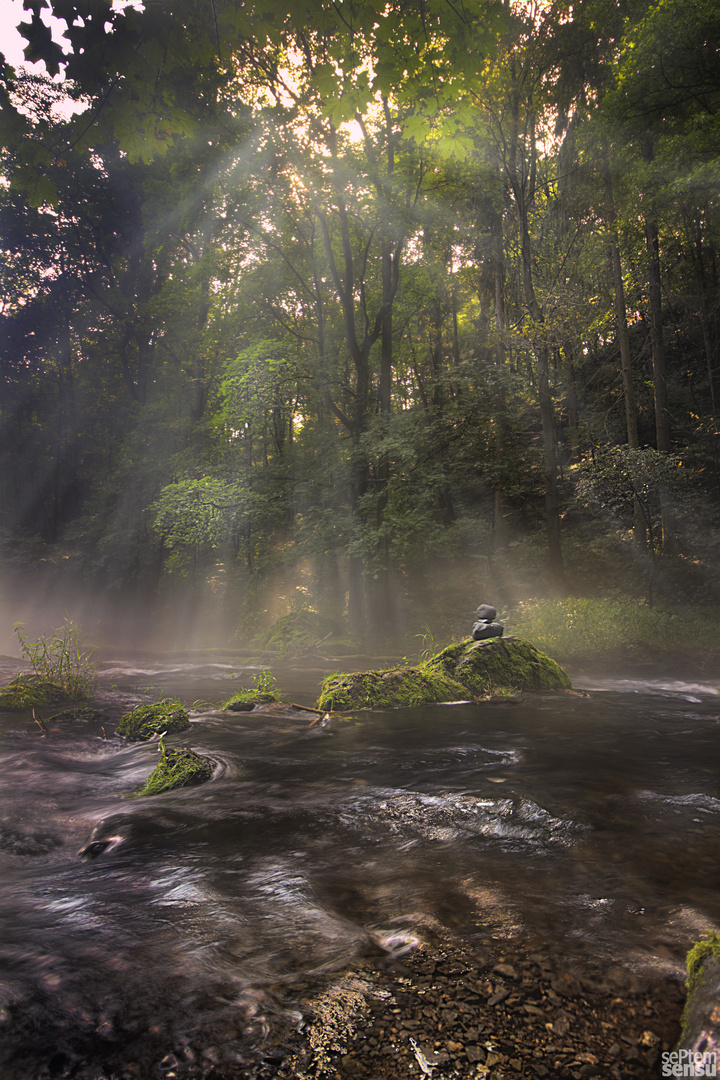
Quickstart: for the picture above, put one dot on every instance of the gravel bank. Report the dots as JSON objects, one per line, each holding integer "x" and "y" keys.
{"x": 499, "y": 1012}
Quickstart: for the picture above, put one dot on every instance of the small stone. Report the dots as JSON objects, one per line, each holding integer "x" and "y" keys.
{"x": 507, "y": 970}
{"x": 531, "y": 1010}
{"x": 475, "y": 1053}
{"x": 498, "y": 997}
{"x": 566, "y": 985}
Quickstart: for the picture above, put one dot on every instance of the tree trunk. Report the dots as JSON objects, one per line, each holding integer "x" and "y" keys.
{"x": 662, "y": 416}
{"x": 623, "y": 338}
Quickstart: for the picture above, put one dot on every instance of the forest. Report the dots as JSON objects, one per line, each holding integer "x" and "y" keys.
{"x": 376, "y": 310}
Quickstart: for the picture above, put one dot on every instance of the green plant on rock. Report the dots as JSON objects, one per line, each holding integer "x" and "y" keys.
{"x": 264, "y": 691}
{"x": 166, "y": 717}
{"x": 60, "y": 659}
{"x": 176, "y": 768}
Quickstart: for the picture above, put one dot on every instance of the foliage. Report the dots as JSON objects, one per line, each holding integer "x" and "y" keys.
{"x": 149, "y": 721}
{"x": 597, "y": 628}
{"x": 296, "y": 633}
{"x": 61, "y": 660}
{"x": 342, "y": 307}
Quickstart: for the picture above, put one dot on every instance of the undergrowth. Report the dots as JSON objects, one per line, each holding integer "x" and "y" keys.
{"x": 597, "y": 627}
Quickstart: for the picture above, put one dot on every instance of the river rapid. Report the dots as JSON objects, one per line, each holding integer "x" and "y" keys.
{"x": 585, "y": 822}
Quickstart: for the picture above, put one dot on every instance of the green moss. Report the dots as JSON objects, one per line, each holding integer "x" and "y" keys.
{"x": 245, "y": 700}
{"x": 467, "y": 669}
{"x": 31, "y": 692}
{"x": 148, "y": 721}
{"x": 177, "y": 768}
{"x": 701, "y": 950}
{"x": 708, "y": 947}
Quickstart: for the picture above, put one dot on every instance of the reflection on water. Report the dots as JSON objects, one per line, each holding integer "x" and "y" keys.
{"x": 587, "y": 823}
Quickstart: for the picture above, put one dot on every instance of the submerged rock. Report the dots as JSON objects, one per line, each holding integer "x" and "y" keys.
{"x": 177, "y": 768}
{"x": 469, "y": 669}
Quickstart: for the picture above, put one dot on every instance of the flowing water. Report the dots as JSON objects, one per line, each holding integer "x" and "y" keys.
{"x": 585, "y": 823}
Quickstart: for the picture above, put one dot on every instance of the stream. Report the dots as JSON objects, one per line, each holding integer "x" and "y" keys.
{"x": 585, "y": 822}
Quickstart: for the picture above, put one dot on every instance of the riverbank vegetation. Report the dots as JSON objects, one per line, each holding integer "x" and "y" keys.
{"x": 372, "y": 311}
{"x": 615, "y": 629}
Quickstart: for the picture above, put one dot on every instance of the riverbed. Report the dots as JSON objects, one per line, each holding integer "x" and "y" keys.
{"x": 580, "y": 828}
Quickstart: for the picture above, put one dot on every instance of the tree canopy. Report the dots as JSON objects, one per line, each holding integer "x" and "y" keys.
{"x": 362, "y": 306}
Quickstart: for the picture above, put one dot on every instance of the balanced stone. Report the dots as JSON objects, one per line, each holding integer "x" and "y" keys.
{"x": 485, "y": 613}
{"x": 483, "y": 630}
{"x": 486, "y": 627}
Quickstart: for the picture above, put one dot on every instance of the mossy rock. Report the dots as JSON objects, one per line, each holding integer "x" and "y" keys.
{"x": 297, "y": 633}
{"x": 31, "y": 692}
{"x": 246, "y": 700}
{"x": 149, "y": 721}
{"x": 469, "y": 669}
{"x": 177, "y": 768}
{"x": 700, "y": 1022}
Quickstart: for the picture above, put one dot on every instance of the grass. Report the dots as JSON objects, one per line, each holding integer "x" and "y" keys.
{"x": 264, "y": 691}
{"x": 606, "y": 628}
{"x": 61, "y": 671}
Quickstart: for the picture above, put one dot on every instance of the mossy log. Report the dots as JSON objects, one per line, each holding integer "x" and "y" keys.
{"x": 31, "y": 692}
{"x": 177, "y": 768}
{"x": 701, "y": 1018}
{"x": 148, "y": 721}
{"x": 469, "y": 669}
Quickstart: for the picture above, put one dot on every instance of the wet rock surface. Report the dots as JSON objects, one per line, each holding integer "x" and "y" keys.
{"x": 497, "y": 1012}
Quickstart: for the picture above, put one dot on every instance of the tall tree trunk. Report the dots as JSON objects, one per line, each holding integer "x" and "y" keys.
{"x": 662, "y": 416}
{"x": 523, "y": 190}
{"x": 623, "y": 338}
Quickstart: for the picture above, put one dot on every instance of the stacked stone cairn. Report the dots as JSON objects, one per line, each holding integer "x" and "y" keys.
{"x": 486, "y": 627}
